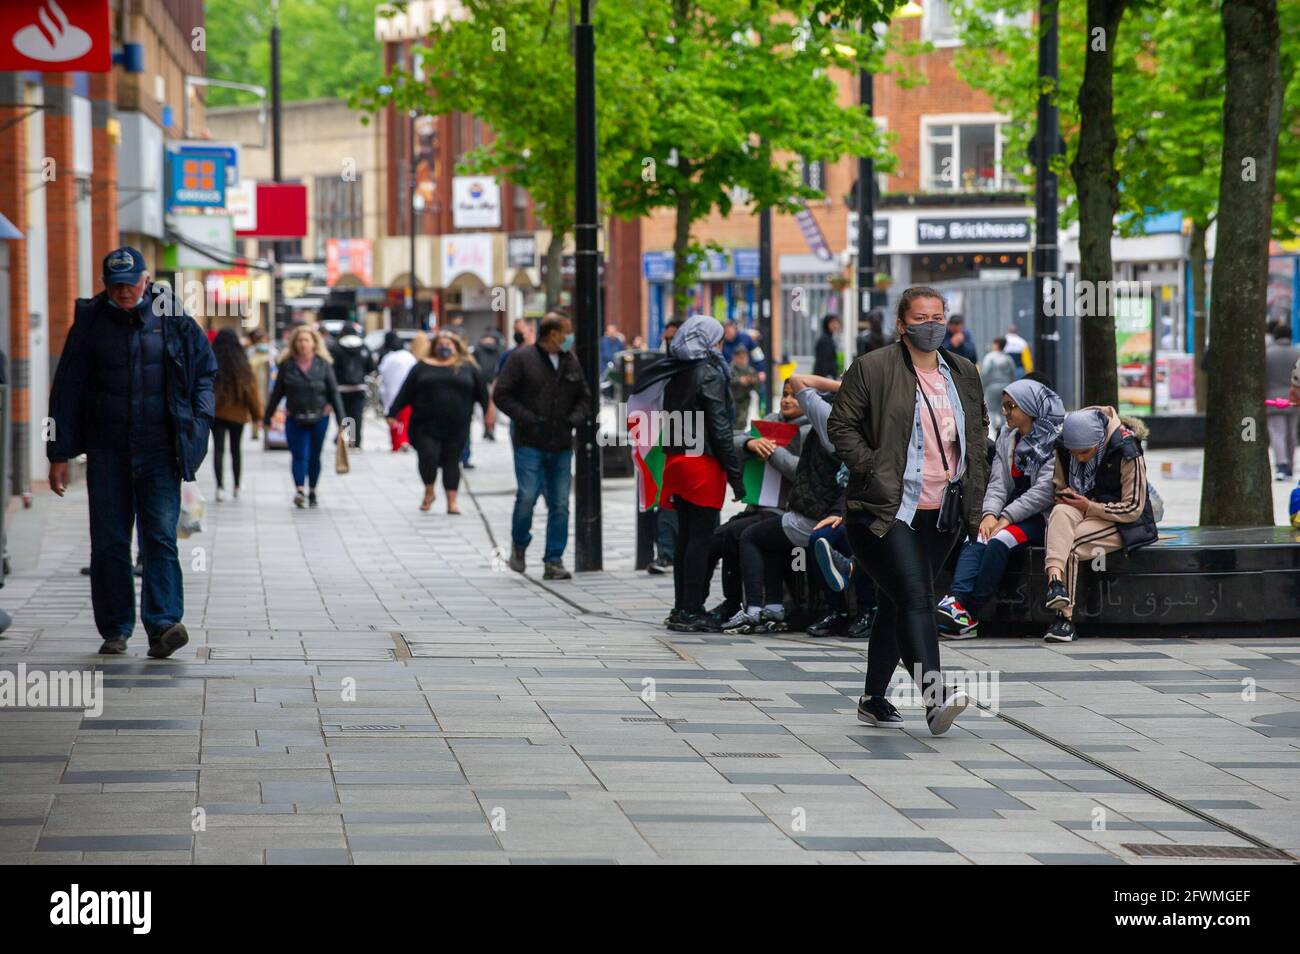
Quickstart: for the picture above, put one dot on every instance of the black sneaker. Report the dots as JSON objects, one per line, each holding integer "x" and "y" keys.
{"x": 833, "y": 624}
{"x": 720, "y": 614}
{"x": 113, "y": 647}
{"x": 555, "y": 571}
{"x": 311, "y": 499}
{"x": 879, "y": 712}
{"x": 517, "y": 559}
{"x": 688, "y": 622}
{"x": 672, "y": 617}
{"x": 1056, "y": 596}
{"x": 940, "y": 718}
{"x": 659, "y": 567}
{"x": 861, "y": 627}
{"x": 1061, "y": 631}
{"x": 170, "y": 641}
{"x": 741, "y": 623}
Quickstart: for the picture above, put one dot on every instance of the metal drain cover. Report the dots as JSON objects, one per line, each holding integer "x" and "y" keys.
{"x": 1210, "y": 851}
{"x": 652, "y": 719}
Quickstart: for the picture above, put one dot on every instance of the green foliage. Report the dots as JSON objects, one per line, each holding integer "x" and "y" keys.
{"x": 327, "y": 47}
{"x": 1168, "y": 100}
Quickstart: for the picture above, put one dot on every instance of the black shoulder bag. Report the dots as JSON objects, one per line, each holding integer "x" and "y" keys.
{"x": 950, "y": 510}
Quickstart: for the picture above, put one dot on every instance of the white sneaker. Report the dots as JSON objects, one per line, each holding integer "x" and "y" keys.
{"x": 941, "y": 717}
{"x": 236, "y": 494}
{"x": 221, "y": 495}
{"x": 741, "y": 623}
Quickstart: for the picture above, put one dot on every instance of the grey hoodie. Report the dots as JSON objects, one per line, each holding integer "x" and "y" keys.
{"x": 1040, "y": 496}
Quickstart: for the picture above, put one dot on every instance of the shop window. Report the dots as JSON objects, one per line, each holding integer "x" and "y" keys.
{"x": 964, "y": 157}
{"x": 338, "y": 211}
{"x": 805, "y": 300}
{"x": 812, "y": 172}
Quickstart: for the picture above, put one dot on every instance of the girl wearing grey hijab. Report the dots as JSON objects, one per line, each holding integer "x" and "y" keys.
{"x": 1102, "y": 505}
{"x": 1016, "y": 503}
{"x": 700, "y": 458}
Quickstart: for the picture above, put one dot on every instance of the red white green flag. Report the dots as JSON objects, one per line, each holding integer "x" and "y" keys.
{"x": 643, "y": 415}
{"x": 764, "y": 484}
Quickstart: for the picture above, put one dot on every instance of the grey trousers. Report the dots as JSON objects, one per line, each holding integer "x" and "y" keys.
{"x": 1282, "y": 438}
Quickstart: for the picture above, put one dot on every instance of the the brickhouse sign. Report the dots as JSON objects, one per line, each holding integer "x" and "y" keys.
{"x": 985, "y": 230}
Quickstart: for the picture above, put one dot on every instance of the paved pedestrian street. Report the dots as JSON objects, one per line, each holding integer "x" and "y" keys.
{"x": 369, "y": 684}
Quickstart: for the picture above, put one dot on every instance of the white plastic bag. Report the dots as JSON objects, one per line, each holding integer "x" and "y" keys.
{"x": 191, "y": 519}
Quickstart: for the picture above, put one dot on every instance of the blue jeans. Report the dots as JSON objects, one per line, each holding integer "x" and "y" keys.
{"x": 863, "y": 588}
{"x": 981, "y": 565}
{"x": 128, "y": 487}
{"x": 305, "y": 442}
{"x": 666, "y": 533}
{"x": 546, "y": 474}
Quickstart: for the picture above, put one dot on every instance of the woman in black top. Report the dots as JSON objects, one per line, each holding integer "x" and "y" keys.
{"x": 441, "y": 391}
{"x": 305, "y": 380}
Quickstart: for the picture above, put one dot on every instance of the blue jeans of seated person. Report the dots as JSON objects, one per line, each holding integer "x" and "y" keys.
{"x": 144, "y": 488}
{"x": 981, "y": 565}
{"x": 548, "y": 474}
{"x": 865, "y": 590}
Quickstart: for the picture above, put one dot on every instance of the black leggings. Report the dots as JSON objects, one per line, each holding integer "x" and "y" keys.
{"x": 726, "y": 549}
{"x": 695, "y": 526}
{"x": 220, "y": 429}
{"x": 434, "y": 452}
{"x": 902, "y": 564}
{"x": 764, "y": 555}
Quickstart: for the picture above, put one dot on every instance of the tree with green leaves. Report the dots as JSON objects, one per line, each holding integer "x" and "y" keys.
{"x": 742, "y": 91}
{"x": 1237, "y": 490}
{"x": 328, "y": 47}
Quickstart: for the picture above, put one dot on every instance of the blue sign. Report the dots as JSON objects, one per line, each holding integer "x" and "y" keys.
{"x": 657, "y": 266}
{"x": 196, "y": 181}
{"x": 227, "y": 151}
{"x": 746, "y": 262}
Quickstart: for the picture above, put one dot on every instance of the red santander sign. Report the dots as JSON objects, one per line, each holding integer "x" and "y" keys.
{"x": 55, "y": 36}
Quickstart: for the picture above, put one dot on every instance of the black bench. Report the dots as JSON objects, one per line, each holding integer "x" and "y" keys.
{"x": 1194, "y": 581}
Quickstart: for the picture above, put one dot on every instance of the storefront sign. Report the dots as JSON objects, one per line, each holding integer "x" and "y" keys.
{"x": 986, "y": 230}
{"x": 467, "y": 254}
{"x": 521, "y": 251}
{"x": 879, "y": 229}
{"x": 55, "y": 36}
{"x": 475, "y": 202}
{"x": 196, "y": 181}
{"x": 201, "y": 234}
{"x": 241, "y": 203}
{"x": 657, "y": 266}
{"x": 348, "y": 257}
{"x": 281, "y": 211}
{"x": 745, "y": 262}
{"x": 228, "y": 151}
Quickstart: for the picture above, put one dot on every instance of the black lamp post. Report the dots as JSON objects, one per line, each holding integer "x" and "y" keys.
{"x": 1047, "y": 144}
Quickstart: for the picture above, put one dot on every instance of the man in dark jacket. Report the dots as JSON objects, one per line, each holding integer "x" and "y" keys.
{"x": 543, "y": 391}
{"x": 827, "y": 350}
{"x": 133, "y": 392}
{"x": 353, "y": 361}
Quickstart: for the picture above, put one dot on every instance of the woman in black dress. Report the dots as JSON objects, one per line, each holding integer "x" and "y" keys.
{"x": 441, "y": 391}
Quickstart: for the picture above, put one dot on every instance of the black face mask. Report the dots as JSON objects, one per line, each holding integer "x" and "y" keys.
{"x": 519, "y": 337}
{"x": 445, "y": 352}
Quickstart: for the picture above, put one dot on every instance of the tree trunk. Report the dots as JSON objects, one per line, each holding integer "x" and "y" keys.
{"x": 1196, "y": 258}
{"x": 683, "y": 271}
{"x": 1237, "y": 490}
{"x": 1097, "y": 183}
{"x": 554, "y": 270}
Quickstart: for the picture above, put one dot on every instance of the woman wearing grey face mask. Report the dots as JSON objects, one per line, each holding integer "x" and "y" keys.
{"x": 909, "y": 423}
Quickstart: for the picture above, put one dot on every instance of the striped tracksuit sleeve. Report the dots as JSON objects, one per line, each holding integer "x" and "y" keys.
{"x": 1133, "y": 496}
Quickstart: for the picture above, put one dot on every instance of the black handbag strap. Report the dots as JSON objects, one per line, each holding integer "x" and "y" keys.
{"x": 934, "y": 422}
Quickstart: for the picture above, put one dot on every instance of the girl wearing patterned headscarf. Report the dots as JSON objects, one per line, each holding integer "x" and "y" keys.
{"x": 1102, "y": 505}
{"x": 1016, "y": 502}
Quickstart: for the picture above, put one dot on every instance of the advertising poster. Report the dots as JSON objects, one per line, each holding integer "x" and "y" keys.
{"x": 1175, "y": 383}
{"x": 1133, "y": 353}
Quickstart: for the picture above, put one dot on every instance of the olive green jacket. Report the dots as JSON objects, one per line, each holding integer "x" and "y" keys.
{"x": 872, "y": 423}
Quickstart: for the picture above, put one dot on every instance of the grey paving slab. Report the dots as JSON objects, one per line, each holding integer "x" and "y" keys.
{"x": 495, "y": 722}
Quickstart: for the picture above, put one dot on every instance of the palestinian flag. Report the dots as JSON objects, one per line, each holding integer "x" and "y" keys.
{"x": 764, "y": 484}
{"x": 643, "y": 416}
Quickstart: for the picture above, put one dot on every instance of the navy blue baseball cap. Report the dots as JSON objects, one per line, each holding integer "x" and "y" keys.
{"x": 123, "y": 266}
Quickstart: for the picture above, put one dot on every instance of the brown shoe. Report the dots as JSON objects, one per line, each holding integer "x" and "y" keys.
{"x": 170, "y": 641}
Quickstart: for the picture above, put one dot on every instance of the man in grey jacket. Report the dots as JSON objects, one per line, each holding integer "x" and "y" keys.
{"x": 1018, "y": 497}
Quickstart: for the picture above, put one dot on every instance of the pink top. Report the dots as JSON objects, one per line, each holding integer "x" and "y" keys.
{"x": 933, "y": 480}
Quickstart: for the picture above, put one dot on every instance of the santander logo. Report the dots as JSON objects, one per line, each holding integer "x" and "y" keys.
{"x": 52, "y": 39}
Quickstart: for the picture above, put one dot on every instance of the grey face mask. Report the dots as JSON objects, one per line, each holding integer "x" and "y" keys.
{"x": 927, "y": 336}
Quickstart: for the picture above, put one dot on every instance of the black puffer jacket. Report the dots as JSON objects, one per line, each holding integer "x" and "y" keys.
{"x": 544, "y": 402}
{"x": 306, "y": 395}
